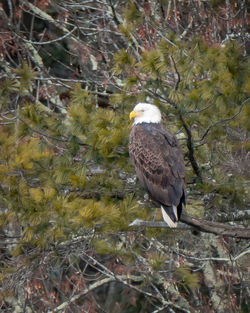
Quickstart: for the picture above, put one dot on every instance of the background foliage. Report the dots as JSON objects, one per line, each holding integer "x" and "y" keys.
{"x": 71, "y": 72}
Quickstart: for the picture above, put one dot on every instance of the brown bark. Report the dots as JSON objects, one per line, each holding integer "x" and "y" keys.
{"x": 216, "y": 228}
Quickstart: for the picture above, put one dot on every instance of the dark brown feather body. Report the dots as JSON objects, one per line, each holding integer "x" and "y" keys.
{"x": 159, "y": 164}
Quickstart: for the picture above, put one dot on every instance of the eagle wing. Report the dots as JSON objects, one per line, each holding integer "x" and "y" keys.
{"x": 158, "y": 162}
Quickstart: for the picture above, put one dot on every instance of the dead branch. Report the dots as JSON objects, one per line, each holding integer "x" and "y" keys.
{"x": 91, "y": 288}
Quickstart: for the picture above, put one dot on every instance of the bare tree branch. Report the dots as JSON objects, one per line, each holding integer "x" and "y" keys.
{"x": 92, "y": 287}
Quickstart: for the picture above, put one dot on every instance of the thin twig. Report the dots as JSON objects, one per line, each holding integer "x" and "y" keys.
{"x": 49, "y": 41}
{"x": 223, "y": 121}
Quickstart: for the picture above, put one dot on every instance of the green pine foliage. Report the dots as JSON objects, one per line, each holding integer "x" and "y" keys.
{"x": 187, "y": 279}
{"x": 157, "y": 260}
{"x": 27, "y": 75}
{"x": 111, "y": 246}
{"x": 205, "y": 87}
{"x": 132, "y": 14}
{"x": 123, "y": 62}
{"x": 152, "y": 63}
{"x": 61, "y": 175}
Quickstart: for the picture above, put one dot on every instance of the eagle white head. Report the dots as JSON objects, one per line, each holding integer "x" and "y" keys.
{"x": 145, "y": 113}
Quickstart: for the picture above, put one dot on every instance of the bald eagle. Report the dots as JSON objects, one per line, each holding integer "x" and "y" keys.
{"x": 158, "y": 161}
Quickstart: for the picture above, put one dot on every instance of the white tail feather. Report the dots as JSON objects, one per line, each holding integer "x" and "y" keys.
{"x": 167, "y": 219}
{"x": 175, "y": 212}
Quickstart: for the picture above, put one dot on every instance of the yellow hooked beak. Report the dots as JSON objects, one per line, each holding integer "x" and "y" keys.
{"x": 133, "y": 114}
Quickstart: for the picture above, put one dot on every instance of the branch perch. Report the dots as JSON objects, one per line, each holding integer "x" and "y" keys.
{"x": 201, "y": 225}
